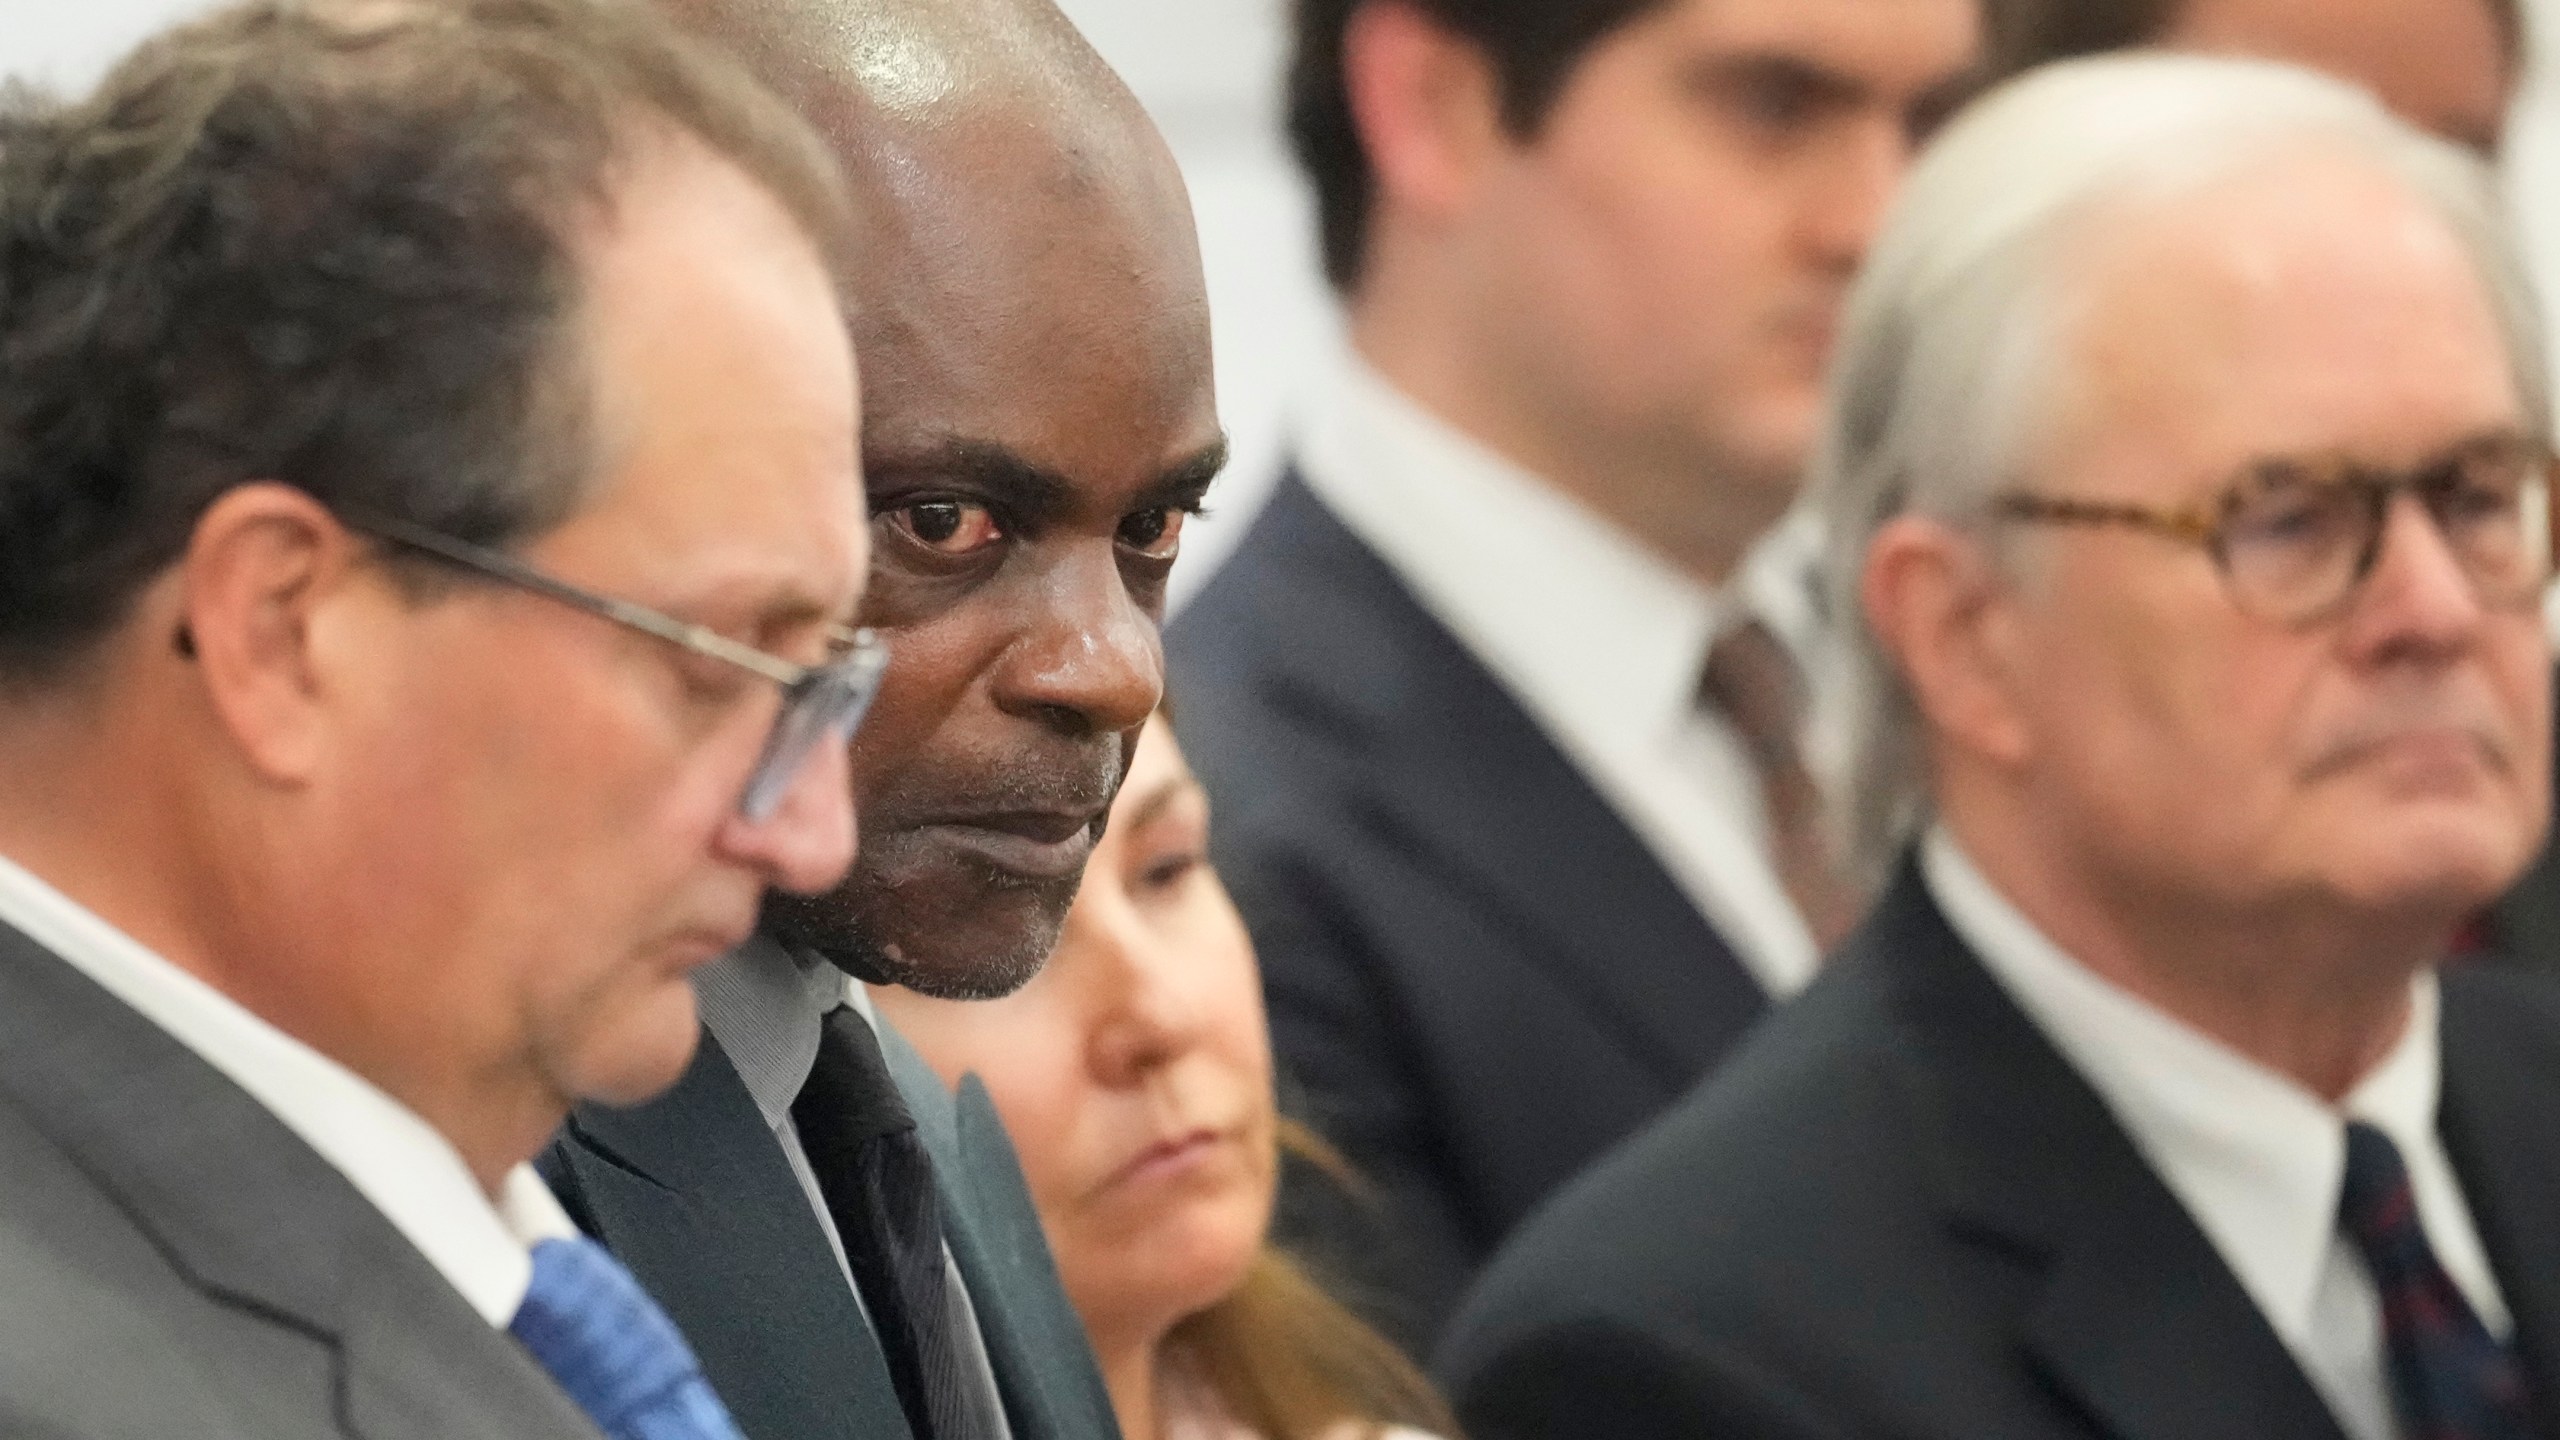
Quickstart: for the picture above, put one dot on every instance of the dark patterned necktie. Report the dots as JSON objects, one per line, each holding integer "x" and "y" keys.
{"x": 879, "y": 1187}
{"x": 2450, "y": 1378}
{"x": 1752, "y": 681}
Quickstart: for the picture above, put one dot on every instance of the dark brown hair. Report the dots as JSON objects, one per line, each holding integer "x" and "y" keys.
{"x": 1290, "y": 1361}
{"x": 327, "y": 244}
{"x": 1532, "y": 45}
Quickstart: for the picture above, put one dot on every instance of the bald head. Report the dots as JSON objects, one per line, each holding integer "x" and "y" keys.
{"x": 1037, "y": 423}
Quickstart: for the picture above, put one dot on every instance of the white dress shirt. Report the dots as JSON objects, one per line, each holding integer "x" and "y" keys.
{"x": 394, "y": 1158}
{"x": 2255, "y": 1158}
{"x": 1601, "y": 640}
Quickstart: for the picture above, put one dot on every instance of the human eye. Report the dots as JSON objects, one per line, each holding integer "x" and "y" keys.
{"x": 1775, "y": 100}
{"x": 1164, "y": 872}
{"x": 1156, "y": 533}
{"x": 944, "y": 525}
{"x": 2482, "y": 487}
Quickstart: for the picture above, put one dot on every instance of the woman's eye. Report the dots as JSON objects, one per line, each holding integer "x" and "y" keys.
{"x": 1156, "y": 534}
{"x": 1167, "y": 871}
{"x": 947, "y": 527}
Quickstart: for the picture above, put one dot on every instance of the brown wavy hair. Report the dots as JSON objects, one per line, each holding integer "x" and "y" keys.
{"x": 1292, "y": 1362}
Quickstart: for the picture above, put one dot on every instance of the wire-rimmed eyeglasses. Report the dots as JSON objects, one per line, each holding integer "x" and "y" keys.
{"x": 2294, "y": 538}
{"x": 820, "y": 703}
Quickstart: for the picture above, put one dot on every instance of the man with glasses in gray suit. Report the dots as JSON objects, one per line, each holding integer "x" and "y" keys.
{"x": 413, "y": 664}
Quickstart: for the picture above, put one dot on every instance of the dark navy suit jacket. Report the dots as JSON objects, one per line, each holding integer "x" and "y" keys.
{"x": 1479, "y": 978}
{"x": 1899, "y": 1211}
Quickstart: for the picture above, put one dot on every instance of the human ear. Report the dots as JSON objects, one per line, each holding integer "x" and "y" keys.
{"x": 1948, "y": 623}
{"x": 263, "y": 561}
{"x": 1425, "y": 101}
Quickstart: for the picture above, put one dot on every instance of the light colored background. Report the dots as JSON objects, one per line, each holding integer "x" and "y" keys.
{"x": 1209, "y": 70}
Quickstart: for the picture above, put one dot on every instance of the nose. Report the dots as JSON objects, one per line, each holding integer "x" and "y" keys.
{"x": 1145, "y": 1018}
{"x": 1090, "y": 658}
{"x": 807, "y": 843}
{"x": 1847, "y": 200}
{"x": 2417, "y": 601}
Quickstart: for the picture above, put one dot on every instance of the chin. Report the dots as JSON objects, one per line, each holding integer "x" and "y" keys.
{"x": 1003, "y": 941}
{"x": 636, "y": 1054}
{"x": 1172, "y": 1271}
{"x": 2455, "y": 861}
{"x": 949, "y": 931}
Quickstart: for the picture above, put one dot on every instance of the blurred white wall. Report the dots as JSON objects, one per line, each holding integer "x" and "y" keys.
{"x": 1209, "y": 70}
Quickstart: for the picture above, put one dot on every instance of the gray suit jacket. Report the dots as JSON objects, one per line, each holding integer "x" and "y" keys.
{"x": 175, "y": 1262}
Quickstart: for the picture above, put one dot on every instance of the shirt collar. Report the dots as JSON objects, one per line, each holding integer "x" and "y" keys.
{"x": 2256, "y": 1158}
{"x": 408, "y": 1170}
{"x": 1592, "y": 630}
{"x": 766, "y": 1003}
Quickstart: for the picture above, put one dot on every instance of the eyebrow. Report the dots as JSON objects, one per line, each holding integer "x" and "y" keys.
{"x": 1028, "y": 492}
{"x": 1187, "y": 479}
{"x": 1035, "y": 495}
{"x": 1823, "y": 86}
{"x": 1162, "y": 798}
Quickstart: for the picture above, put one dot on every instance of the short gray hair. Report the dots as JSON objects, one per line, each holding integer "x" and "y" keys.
{"x": 1952, "y": 335}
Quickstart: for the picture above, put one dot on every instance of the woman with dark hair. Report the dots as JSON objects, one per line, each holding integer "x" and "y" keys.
{"x": 1135, "y": 1075}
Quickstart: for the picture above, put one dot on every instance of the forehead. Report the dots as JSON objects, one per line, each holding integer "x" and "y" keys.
{"x": 2442, "y": 64}
{"x": 1892, "y": 44}
{"x": 723, "y": 405}
{"x": 2309, "y": 304}
{"x": 1036, "y": 284}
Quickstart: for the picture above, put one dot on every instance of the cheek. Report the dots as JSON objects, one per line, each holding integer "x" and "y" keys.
{"x": 2162, "y": 705}
{"x": 933, "y": 664}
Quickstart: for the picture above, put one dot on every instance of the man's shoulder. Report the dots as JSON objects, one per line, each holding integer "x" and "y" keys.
{"x": 84, "y": 1281}
{"x": 87, "y": 1277}
{"x": 1741, "y": 1195}
{"x": 2504, "y": 1007}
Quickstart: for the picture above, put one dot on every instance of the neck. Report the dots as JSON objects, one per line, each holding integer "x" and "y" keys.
{"x": 1131, "y": 1369}
{"x": 98, "y": 820}
{"x": 1647, "y": 485}
{"x": 2311, "y": 990}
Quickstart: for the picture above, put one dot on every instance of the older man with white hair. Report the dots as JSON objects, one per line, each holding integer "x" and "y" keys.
{"x": 2188, "y": 469}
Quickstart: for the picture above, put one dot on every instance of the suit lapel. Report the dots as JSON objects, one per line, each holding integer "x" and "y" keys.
{"x": 2133, "y": 1316}
{"x": 1043, "y": 1364}
{"x": 2501, "y": 1070}
{"x": 254, "y": 1216}
{"x": 1461, "y": 774}
{"x": 693, "y": 1193}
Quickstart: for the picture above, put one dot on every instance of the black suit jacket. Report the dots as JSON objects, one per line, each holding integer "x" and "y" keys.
{"x": 1479, "y": 978}
{"x": 2522, "y": 931}
{"x": 1900, "y": 1212}
{"x": 694, "y": 1195}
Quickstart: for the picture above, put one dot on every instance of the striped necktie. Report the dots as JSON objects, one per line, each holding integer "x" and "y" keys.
{"x": 588, "y": 1323}
{"x": 2450, "y": 1378}
{"x": 880, "y": 1190}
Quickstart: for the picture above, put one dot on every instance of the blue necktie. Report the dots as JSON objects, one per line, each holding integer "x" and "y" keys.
{"x": 616, "y": 1353}
{"x": 2450, "y": 1378}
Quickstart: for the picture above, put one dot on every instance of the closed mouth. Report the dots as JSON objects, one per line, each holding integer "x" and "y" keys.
{"x": 1166, "y": 1155}
{"x": 1031, "y": 845}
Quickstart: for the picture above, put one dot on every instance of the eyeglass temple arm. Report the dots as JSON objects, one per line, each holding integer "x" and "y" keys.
{"x": 698, "y": 638}
{"x": 2183, "y": 524}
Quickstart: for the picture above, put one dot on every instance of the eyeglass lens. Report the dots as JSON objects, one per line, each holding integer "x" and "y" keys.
{"x": 826, "y": 706}
{"x": 2297, "y": 538}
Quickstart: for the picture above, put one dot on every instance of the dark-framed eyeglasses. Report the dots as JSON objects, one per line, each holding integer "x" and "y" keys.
{"x": 2295, "y": 538}
{"x": 820, "y": 703}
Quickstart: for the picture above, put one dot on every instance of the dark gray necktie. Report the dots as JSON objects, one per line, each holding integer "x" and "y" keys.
{"x": 878, "y": 1182}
